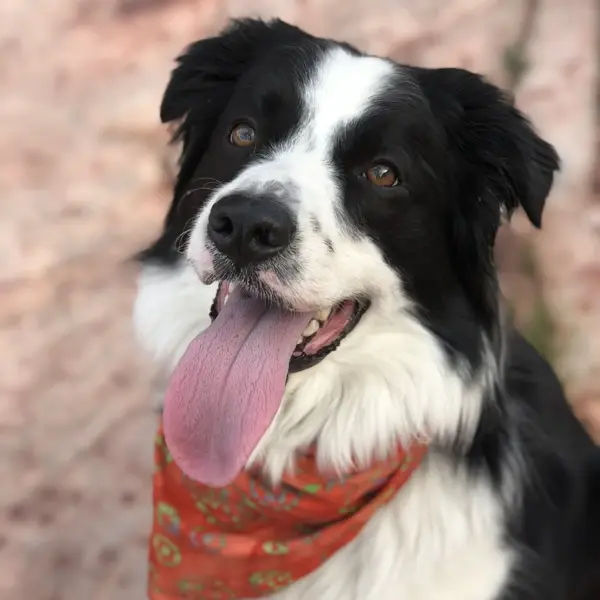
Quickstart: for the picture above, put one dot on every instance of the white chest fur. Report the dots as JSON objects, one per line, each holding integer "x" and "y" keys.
{"x": 440, "y": 539}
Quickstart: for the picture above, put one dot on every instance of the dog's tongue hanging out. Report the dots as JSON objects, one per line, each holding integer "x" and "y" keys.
{"x": 227, "y": 388}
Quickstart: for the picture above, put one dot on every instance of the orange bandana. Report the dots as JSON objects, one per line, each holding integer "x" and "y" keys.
{"x": 247, "y": 540}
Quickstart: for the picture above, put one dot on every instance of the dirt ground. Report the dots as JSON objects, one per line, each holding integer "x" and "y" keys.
{"x": 83, "y": 185}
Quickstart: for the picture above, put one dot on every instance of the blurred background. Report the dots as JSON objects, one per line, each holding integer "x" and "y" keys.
{"x": 84, "y": 182}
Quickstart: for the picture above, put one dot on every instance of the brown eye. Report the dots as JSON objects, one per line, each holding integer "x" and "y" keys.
{"x": 242, "y": 135}
{"x": 382, "y": 175}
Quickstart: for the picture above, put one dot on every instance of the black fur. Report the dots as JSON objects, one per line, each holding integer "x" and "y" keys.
{"x": 465, "y": 155}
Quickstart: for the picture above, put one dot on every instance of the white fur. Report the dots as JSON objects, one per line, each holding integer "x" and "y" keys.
{"x": 438, "y": 540}
{"x": 441, "y": 538}
{"x": 164, "y": 318}
{"x": 170, "y": 310}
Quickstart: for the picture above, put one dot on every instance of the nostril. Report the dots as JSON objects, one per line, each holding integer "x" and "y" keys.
{"x": 270, "y": 235}
{"x": 221, "y": 224}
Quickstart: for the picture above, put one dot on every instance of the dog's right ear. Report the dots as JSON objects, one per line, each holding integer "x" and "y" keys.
{"x": 208, "y": 69}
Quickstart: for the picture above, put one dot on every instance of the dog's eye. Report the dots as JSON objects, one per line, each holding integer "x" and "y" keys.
{"x": 382, "y": 175}
{"x": 242, "y": 135}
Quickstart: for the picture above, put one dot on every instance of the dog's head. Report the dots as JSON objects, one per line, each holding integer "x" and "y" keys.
{"x": 356, "y": 198}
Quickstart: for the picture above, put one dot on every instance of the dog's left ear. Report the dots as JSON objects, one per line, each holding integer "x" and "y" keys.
{"x": 494, "y": 162}
{"x": 503, "y": 163}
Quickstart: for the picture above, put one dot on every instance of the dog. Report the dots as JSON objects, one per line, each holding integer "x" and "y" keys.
{"x": 357, "y": 201}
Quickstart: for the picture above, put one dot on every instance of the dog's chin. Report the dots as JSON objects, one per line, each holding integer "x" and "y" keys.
{"x": 324, "y": 333}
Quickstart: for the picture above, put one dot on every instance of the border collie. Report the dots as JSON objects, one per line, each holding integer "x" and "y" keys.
{"x": 363, "y": 196}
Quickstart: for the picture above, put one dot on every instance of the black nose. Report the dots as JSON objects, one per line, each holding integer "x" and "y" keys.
{"x": 249, "y": 229}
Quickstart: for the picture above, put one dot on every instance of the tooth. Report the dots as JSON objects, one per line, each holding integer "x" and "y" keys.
{"x": 300, "y": 341}
{"x": 323, "y": 315}
{"x": 311, "y": 328}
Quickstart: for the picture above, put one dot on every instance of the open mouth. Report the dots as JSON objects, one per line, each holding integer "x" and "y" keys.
{"x": 231, "y": 381}
{"x": 321, "y": 336}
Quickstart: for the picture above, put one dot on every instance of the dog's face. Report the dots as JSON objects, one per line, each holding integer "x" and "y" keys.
{"x": 346, "y": 187}
{"x": 313, "y": 174}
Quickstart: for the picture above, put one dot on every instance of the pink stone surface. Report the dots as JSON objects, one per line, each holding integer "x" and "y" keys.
{"x": 83, "y": 183}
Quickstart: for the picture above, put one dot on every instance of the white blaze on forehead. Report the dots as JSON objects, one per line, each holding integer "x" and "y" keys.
{"x": 342, "y": 88}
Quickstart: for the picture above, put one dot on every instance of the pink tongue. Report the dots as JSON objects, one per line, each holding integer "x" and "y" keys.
{"x": 227, "y": 388}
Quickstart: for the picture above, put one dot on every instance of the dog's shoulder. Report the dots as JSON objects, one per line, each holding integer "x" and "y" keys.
{"x": 560, "y": 479}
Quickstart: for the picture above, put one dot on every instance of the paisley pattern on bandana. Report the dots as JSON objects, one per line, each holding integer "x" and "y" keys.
{"x": 248, "y": 540}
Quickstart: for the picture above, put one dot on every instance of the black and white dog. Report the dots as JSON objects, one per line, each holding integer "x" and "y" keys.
{"x": 365, "y": 196}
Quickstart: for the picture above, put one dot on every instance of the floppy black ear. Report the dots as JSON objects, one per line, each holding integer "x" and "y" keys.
{"x": 495, "y": 162}
{"x": 503, "y": 163}
{"x": 209, "y": 68}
